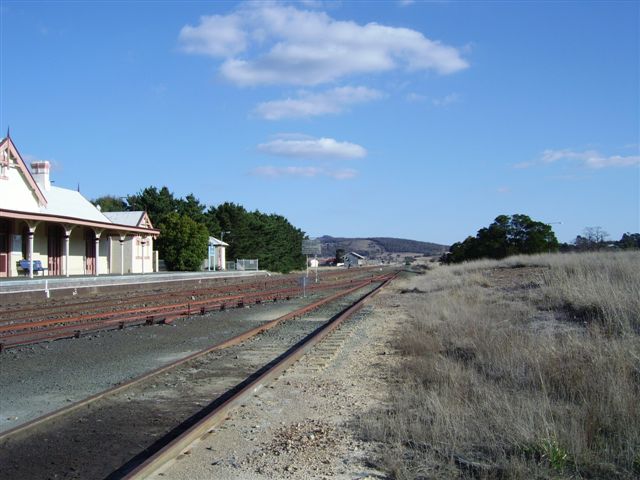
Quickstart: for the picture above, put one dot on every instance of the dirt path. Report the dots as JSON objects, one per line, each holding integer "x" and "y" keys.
{"x": 304, "y": 425}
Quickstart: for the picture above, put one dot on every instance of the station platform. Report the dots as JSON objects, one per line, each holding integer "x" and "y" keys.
{"x": 49, "y": 284}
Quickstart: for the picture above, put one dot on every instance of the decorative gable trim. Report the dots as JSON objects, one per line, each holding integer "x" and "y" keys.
{"x": 145, "y": 221}
{"x": 8, "y": 146}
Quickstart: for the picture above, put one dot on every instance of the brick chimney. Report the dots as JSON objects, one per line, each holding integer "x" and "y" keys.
{"x": 40, "y": 172}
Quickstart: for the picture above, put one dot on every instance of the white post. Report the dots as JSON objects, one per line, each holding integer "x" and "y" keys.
{"x": 143, "y": 242}
{"x": 122, "y": 237}
{"x": 68, "y": 228}
{"x": 31, "y": 231}
{"x": 97, "y": 255}
{"x": 66, "y": 255}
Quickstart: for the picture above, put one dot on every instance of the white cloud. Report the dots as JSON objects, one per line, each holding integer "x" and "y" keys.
{"x": 216, "y": 35}
{"x": 274, "y": 172}
{"x": 308, "y": 104}
{"x": 327, "y": 148}
{"x": 285, "y": 45}
{"x": 343, "y": 174}
{"x": 415, "y": 97}
{"x": 588, "y": 158}
{"x": 307, "y": 172}
{"x": 446, "y": 100}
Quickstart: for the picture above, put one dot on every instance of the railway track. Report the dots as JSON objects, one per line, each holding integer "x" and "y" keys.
{"x": 21, "y": 309}
{"x": 134, "y": 429}
{"x": 50, "y": 325}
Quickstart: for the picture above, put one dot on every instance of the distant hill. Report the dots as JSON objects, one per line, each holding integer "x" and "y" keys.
{"x": 376, "y": 247}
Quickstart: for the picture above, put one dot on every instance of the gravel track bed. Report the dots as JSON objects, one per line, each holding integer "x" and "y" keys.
{"x": 307, "y": 423}
{"x": 41, "y": 378}
{"x": 96, "y": 440}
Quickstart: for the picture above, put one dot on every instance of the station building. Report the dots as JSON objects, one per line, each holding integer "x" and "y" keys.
{"x": 60, "y": 230}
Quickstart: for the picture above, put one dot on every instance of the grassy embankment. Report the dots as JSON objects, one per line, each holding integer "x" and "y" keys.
{"x": 523, "y": 368}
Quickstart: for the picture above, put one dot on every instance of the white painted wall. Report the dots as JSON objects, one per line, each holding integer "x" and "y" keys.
{"x": 133, "y": 255}
{"x": 222, "y": 255}
{"x": 15, "y": 193}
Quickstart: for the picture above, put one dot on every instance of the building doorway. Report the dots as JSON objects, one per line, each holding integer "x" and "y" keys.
{"x": 54, "y": 251}
{"x": 90, "y": 252}
{"x": 5, "y": 247}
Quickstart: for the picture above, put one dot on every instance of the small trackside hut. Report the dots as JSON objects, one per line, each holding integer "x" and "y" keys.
{"x": 217, "y": 255}
{"x": 353, "y": 259}
{"x": 55, "y": 226}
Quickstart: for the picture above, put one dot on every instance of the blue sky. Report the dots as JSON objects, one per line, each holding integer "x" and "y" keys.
{"x": 407, "y": 119}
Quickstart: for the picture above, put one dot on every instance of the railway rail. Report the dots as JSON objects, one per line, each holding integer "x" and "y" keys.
{"x": 52, "y": 326}
{"x": 17, "y": 308}
{"x": 21, "y": 309}
{"x": 134, "y": 429}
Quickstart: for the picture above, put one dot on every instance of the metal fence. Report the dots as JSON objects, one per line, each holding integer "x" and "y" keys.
{"x": 247, "y": 264}
{"x": 231, "y": 265}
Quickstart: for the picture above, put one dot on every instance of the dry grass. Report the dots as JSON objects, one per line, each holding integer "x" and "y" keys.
{"x": 536, "y": 378}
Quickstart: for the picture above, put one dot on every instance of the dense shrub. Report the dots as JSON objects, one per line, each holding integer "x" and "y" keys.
{"x": 507, "y": 235}
{"x": 183, "y": 242}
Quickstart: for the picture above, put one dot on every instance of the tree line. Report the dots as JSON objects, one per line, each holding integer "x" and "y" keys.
{"x": 185, "y": 225}
{"x": 596, "y": 238}
{"x": 507, "y": 235}
{"x": 519, "y": 234}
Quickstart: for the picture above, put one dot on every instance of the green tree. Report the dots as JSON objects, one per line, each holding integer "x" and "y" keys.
{"x": 192, "y": 208}
{"x": 630, "y": 240}
{"x": 507, "y": 235}
{"x": 268, "y": 237}
{"x": 110, "y": 203}
{"x": 157, "y": 203}
{"x": 212, "y": 223}
{"x": 183, "y": 242}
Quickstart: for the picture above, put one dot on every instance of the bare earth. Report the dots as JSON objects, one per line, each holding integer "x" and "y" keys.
{"x": 304, "y": 425}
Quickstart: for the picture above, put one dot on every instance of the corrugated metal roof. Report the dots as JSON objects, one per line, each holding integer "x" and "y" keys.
{"x": 70, "y": 203}
{"x": 125, "y": 218}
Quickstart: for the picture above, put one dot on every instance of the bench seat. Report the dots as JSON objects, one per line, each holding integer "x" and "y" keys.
{"x": 37, "y": 266}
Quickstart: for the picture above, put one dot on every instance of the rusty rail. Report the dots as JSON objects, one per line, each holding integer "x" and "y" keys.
{"x": 219, "y": 346}
{"x": 172, "y": 450}
{"x": 237, "y": 289}
{"x": 75, "y": 326}
{"x": 24, "y": 311}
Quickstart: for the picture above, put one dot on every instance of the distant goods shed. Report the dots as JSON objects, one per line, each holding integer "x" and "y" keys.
{"x": 353, "y": 259}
